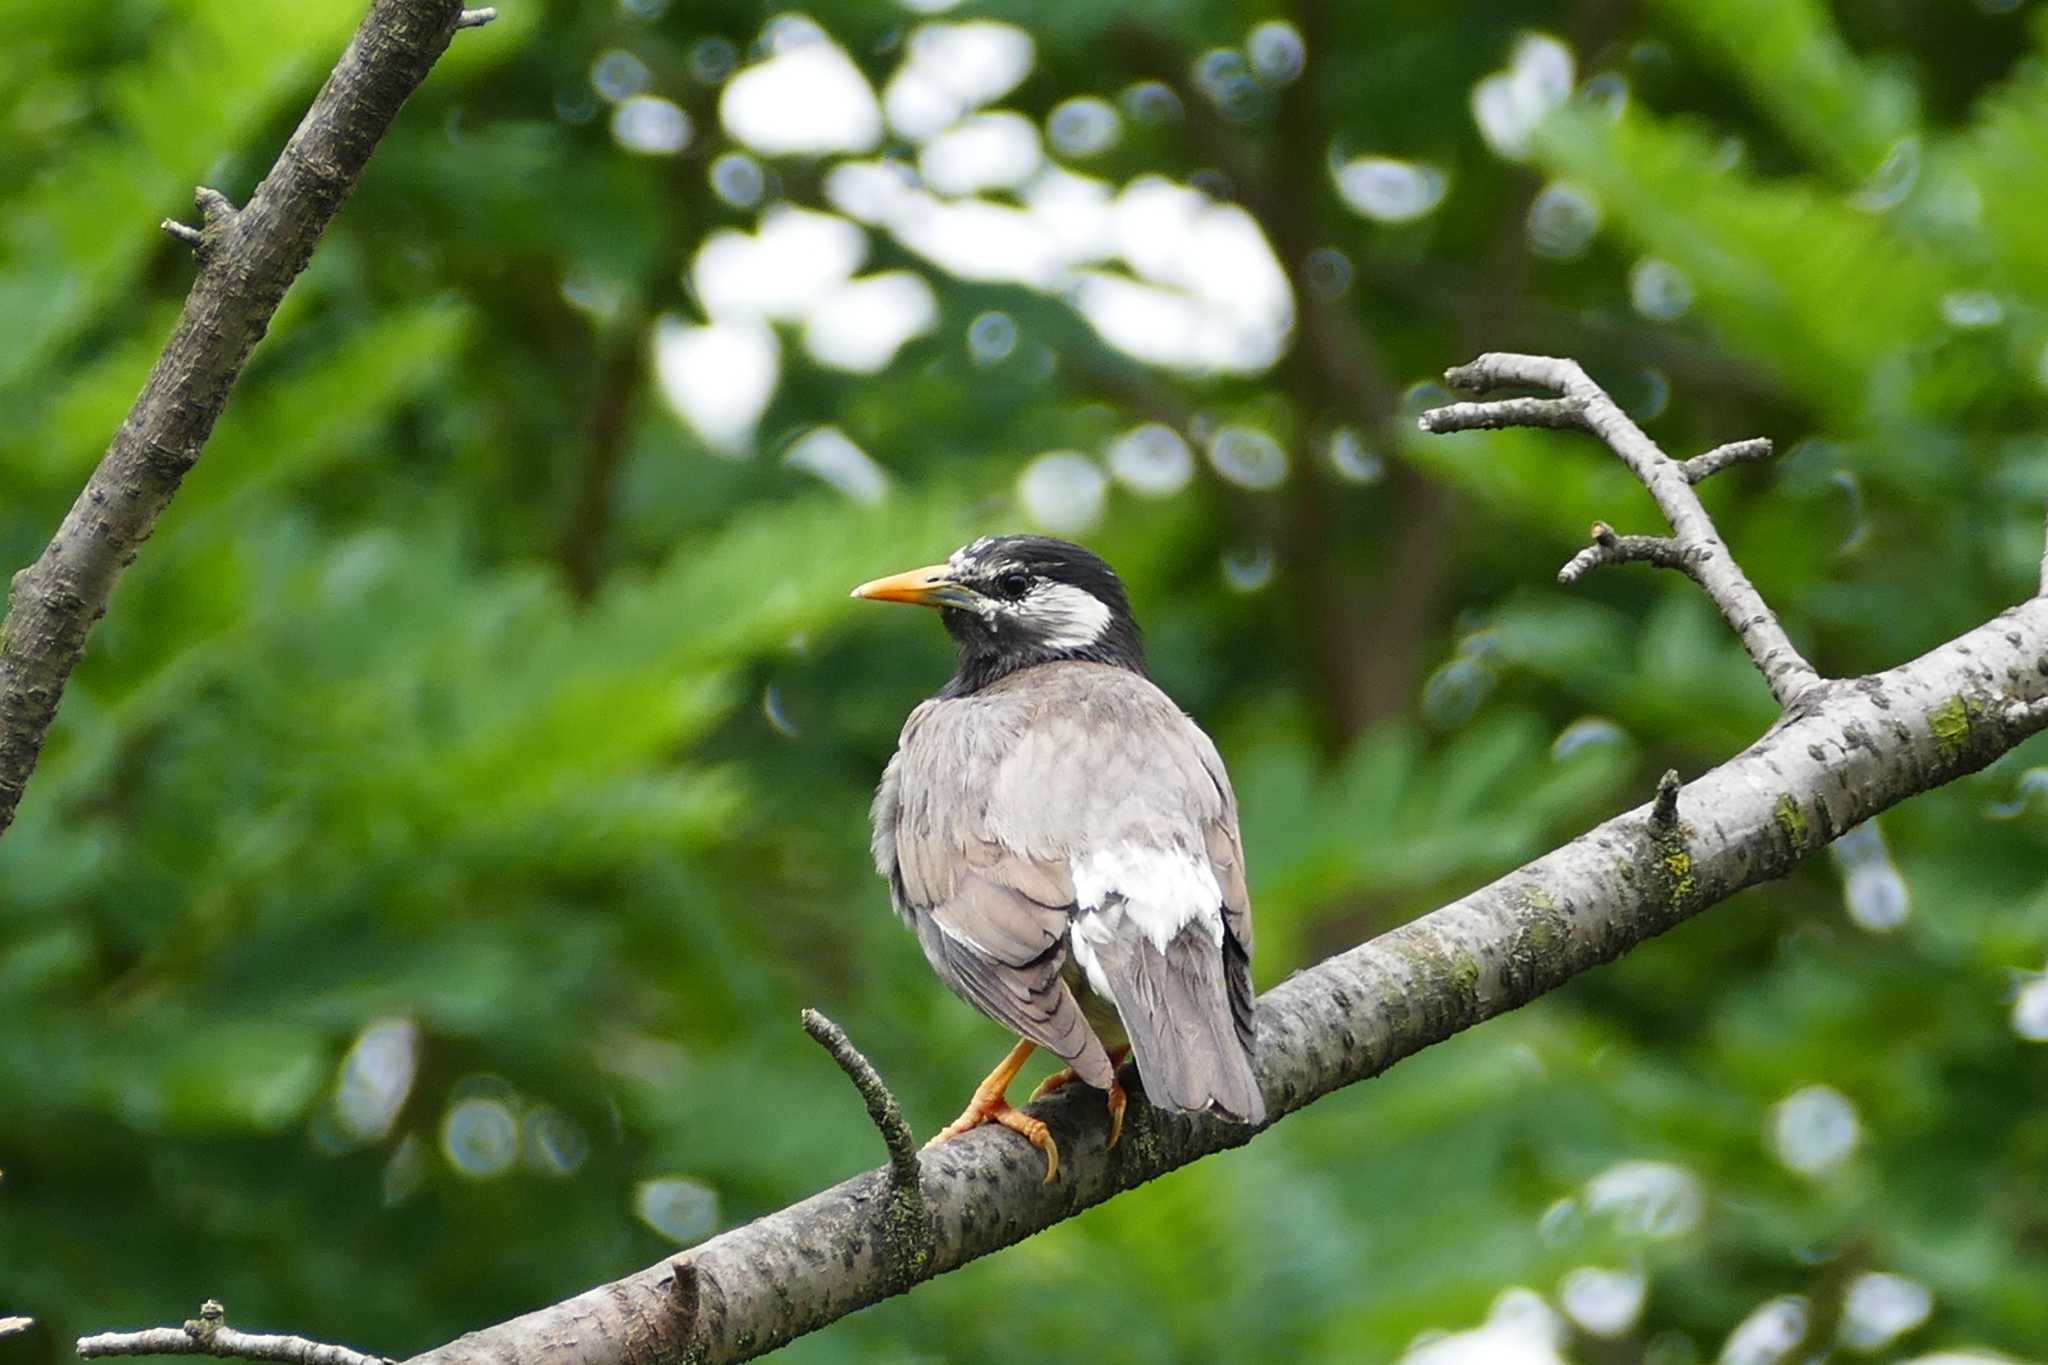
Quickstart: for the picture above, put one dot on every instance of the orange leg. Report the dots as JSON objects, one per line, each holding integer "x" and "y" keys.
{"x": 989, "y": 1106}
{"x": 1117, "y": 1098}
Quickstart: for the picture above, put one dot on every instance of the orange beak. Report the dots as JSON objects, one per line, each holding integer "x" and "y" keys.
{"x": 926, "y": 587}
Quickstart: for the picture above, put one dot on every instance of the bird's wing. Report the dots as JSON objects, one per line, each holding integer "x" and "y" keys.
{"x": 1226, "y": 857}
{"x": 1110, "y": 780}
{"x": 992, "y": 921}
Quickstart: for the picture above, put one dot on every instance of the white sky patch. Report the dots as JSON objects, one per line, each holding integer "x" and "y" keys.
{"x": 1208, "y": 297}
{"x": 975, "y": 239}
{"x": 1509, "y": 104}
{"x": 862, "y": 324}
{"x": 805, "y": 100}
{"x": 1169, "y": 328}
{"x": 870, "y": 191}
{"x": 1603, "y": 1302}
{"x": 1390, "y": 191}
{"x": 718, "y": 378}
{"x": 651, "y": 126}
{"x": 1074, "y": 210}
{"x": 829, "y": 454}
{"x": 1152, "y": 459}
{"x": 1880, "y": 1306}
{"x": 953, "y": 69}
{"x": 782, "y": 270}
{"x": 1520, "y": 1329}
{"x": 1063, "y": 490}
{"x": 988, "y": 151}
{"x": 1083, "y": 126}
{"x": 1769, "y": 1334}
{"x": 1238, "y": 308}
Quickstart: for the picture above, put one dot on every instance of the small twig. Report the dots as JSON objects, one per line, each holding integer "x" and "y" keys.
{"x": 1694, "y": 547}
{"x": 1561, "y": 413}
{"x": 883, "y": 1109}
{"x": 215, "y": 209}
{"x": 214, "y": 206}
{"x": 209, "y": 1335}
{"x": 475, "y": 18}
{"x": 1702, "y": 467}
{"x": 14, "y": 1327}
{"x": 1664, "y": 811}
{"x": 1609, "y": 548}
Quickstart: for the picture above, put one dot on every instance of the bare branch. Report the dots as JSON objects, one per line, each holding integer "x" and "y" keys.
{"x": 1585, "y": 405}
{"x": 475, "y": 18}
{"x": 209, "y": 1335}
{"x": 1560, "y": 413}
{"x": 883, "y": 1109}
{"x": 248, "y": 257}
{"x": 1875, "y": 742}
{"x": 1609, "y": 548}
{"x": 14, "y": 1327}
{"x": 1855, "y": 749}
{"x": 1703, "y": 467}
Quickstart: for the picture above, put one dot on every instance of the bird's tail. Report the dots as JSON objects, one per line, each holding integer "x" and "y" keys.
{"x": 1177, "y": 1012}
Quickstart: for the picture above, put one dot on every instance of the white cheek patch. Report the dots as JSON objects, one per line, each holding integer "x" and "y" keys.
{"x": 1156, "y": 892}
{"x": 1063, "y": 616}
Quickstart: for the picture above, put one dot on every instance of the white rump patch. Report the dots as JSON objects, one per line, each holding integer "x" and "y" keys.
{"x": 1065, "y": 617}
{"x": 1162, "y": 891}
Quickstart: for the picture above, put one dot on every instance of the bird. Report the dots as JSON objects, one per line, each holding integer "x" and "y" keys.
{"x": 1063, "y": 840}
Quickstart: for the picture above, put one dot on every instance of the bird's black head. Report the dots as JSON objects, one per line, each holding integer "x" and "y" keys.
{"x": 1013, "y": 601}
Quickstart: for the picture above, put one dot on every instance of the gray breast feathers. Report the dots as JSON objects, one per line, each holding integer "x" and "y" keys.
{"x": 1068, "y": 823}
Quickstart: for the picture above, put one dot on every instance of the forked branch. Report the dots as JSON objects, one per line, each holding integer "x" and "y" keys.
{"x": 1694, "y": 547}
{"x": 209, "y": 1335}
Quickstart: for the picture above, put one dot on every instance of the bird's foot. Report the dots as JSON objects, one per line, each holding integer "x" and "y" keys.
{"x": 989, "y": 1106}
{"x": 1065, "y": 1076}
{"x": 995, "y": 1109}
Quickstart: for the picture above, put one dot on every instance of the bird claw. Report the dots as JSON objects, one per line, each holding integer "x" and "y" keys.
{"x": 1117, "y": 1099}
{"x": 996, "y": 1109}
{"x": 1051, "y": 1083}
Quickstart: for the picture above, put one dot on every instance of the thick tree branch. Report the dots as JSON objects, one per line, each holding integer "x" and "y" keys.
{"x": 1696, "y": 546}
{"x": 248, "y": 257}
{"x": 209, "y": 1335}
{"x": 1843, "y": 751}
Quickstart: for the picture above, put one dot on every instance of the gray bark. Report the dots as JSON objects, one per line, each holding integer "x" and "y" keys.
{"x": 248, "y": 257}
{"x": 1845, "y": 750}
{"x": 209, "y": 1335}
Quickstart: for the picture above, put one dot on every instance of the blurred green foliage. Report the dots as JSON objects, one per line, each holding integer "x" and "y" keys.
{"x": 408, "y": 923}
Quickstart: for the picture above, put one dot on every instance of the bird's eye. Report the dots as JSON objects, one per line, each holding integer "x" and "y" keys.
{"x": 1014, "y": 584}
